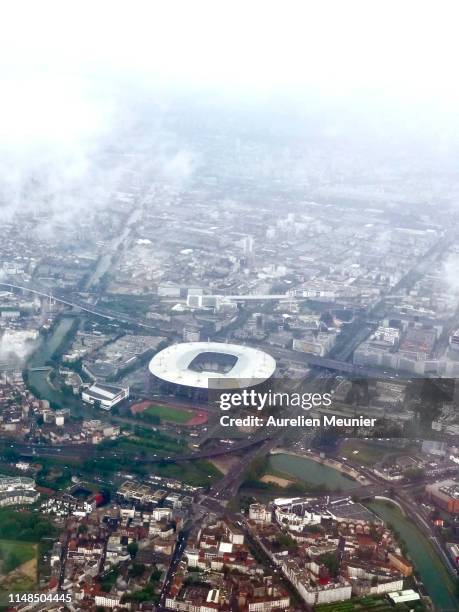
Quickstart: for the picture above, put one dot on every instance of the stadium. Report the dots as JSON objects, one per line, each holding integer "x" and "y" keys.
{"x": 194, "y": 368}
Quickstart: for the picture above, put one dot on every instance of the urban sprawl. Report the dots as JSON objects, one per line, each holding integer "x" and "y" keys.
{"x": 126, "y": 322}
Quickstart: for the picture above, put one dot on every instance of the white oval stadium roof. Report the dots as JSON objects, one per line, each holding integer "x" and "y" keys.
{"x": 248, "y": 366}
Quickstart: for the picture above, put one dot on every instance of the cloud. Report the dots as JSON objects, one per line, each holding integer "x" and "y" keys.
{"x": 50, "y": 130}
{"x": 63, "y": 145}
{"x": 180, "y": 167}
{"x": 78, "y": 83}
{"x": 16, "y": 345}
{"x": 387, "y": 48}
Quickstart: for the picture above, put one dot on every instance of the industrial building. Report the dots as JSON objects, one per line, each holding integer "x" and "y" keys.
{"x": 445, "y": 495}
{"x": 104, "y": 396}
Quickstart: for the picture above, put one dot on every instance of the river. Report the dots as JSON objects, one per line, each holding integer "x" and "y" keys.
{"x": 434, "y": 575}
{"x": 436, "y": 578}
{"x": 49, "y": 344}
{"x": 311, "y": 472}
{"x": 39, "y": 380}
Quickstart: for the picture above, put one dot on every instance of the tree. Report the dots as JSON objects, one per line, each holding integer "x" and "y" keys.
{"x": 330, "y": 560}
{"x": 137, "y": 570}
{"x": 314, "y": 529}
{"x": 285, "y": 540}
{"x": 132, "y": 549}
{"x": 414, "y": 473}
{"x": 11, "y": 455}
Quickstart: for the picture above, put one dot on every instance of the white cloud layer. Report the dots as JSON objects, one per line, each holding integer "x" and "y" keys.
{"x": 75, "y": 75}
{"x": 387, "y": 48}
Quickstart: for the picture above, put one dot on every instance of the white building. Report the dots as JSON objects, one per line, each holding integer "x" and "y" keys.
{"x": 259, "y": 513}
{"x": 17, "y": 490}
{"x": 314, "y": 594}
{"x": 107, "y": 601}
{"x": 105, "y": 396}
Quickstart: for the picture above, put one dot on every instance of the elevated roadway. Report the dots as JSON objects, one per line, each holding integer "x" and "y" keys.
{"x": 336, "y": 365}
{"x": 84, "y": 306}
{"x": 89, "y": 451}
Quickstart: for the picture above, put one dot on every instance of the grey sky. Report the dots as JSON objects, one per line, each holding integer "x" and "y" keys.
{"x": 74, "y": 73}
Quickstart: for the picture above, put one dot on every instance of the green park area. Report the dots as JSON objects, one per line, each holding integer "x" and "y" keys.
{"x": 141, "y": 453}
{"x": 24, "y": 537}
{"x": 198, "y": 473}
{"x": 148, "y": 442}
{"x": 364, "y": 453}
{"x": 131, "y": 305}
{"x": 368, "y": 452}
{"x": 24, "y": 526}
{"x": 167, "y": 413}
{"x": 13, "y": 554}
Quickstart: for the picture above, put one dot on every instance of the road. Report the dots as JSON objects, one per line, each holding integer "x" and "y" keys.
{"x": 63, "y": 562}
{"x": 227, "y": 487}
{"x": 401, "y": 493}
{"x": 92, "y": 451}
{"x": 332, "y": 364}
{"x": 336, "y": 365}
{"x": 410, "y": 506}
{"x": 176, "y": 558}
{"x": 105, "y": 313}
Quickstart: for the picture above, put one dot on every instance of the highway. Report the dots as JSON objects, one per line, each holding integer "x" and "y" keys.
{"x": 336, "y": 365}
{"x": 228, "y": 486}
{"x": 84, "y": 306}
{"x": 91, "y": 451}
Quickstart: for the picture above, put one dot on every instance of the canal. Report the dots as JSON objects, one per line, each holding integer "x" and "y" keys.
{"x": 39, "y": 380}
{"x": 311, "y": 472}
{"x": 436, "y": 578}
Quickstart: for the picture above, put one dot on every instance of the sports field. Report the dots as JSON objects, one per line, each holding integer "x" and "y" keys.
{"x": 180, "y": 415}
{"x": 168, "y": 413}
